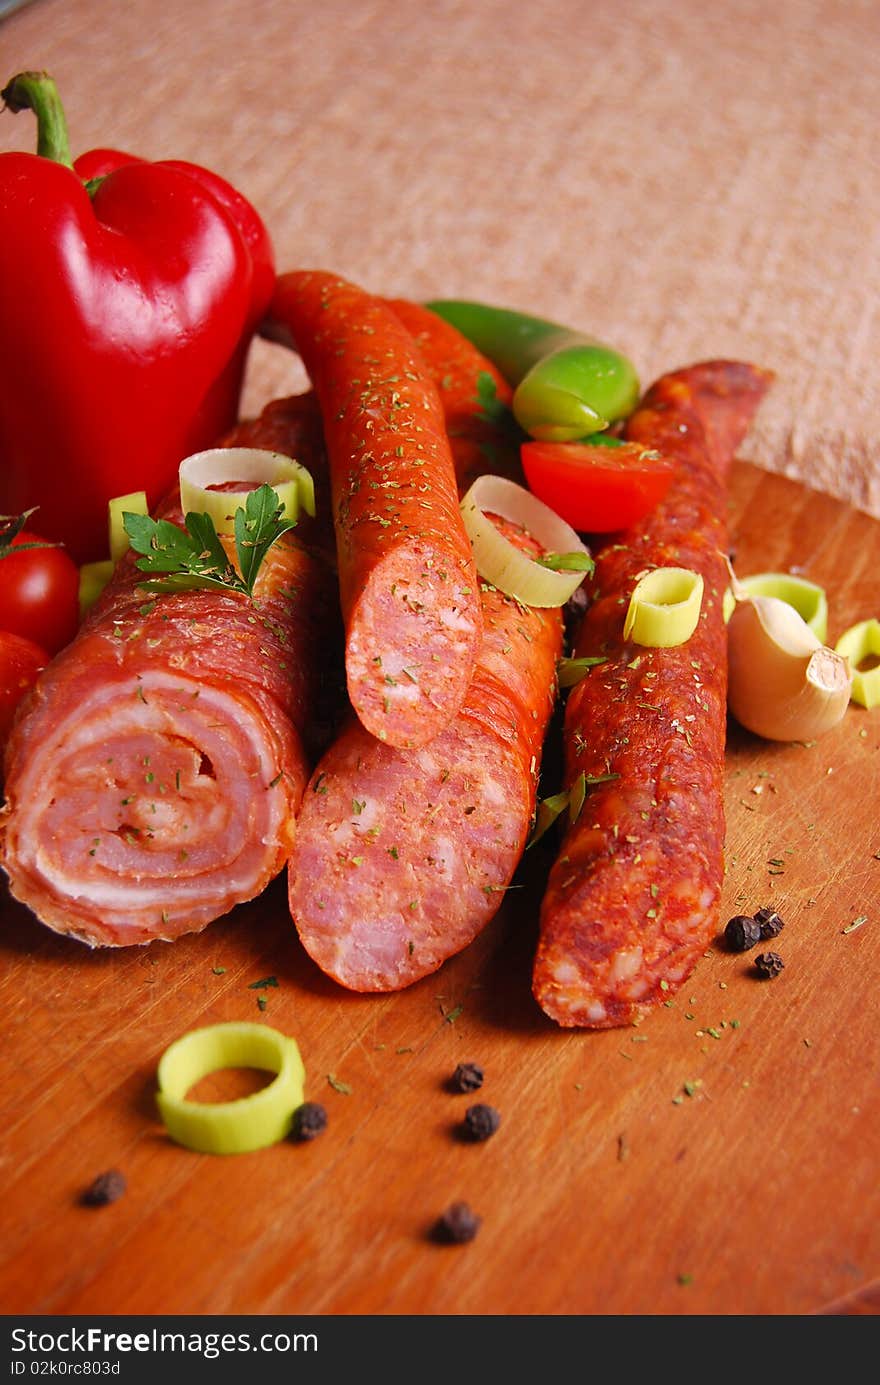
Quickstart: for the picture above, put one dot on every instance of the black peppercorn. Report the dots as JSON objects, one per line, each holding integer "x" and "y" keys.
{"x": 107, "y": 1187}
{"x": 309, "y": 1120}
{"x": 742, "y": 933}
{"x": 468, "y": 1077}
{"x": 457, "y": 1225}
{"x": 480, "y": 1122}
{"x": 768, "y": 964}
{"x": 769, "y": 922}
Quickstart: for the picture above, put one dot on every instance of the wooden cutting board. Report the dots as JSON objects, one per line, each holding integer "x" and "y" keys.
{"x": 720, "y": 1158}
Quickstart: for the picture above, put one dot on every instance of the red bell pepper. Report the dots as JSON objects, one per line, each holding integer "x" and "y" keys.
{"x": 129, "y": 293}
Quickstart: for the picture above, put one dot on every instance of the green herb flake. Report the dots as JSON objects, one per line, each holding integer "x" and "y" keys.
{"x": 856, "y": 923}
{"x": 453, "y": 1014}
{"x": 219, "y": 971}
{"x": 262, "y": 1002}
{"x": 685, "y": 1279}
{"x": 338, "y": 1085}
{"x": 263, "y": 984}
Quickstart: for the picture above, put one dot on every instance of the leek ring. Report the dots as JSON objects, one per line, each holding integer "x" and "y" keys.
{"x": 230, "y": 1127}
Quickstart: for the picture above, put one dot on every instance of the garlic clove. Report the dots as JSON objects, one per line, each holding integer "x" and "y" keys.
{"x": 783, "y": 684}
{"x": 784, "y": 626}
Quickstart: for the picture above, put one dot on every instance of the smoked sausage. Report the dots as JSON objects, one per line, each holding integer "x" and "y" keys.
{"x": 632, "y": 898}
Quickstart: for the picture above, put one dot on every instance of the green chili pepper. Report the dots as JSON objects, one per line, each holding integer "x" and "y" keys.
{"x": 566, "y": 385}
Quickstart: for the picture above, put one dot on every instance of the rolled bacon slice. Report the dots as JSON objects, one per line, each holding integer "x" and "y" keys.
{"x": 153, "y": 779}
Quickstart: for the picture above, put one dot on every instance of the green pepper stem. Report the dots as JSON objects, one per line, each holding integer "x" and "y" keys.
{"x": 36, "y": 91}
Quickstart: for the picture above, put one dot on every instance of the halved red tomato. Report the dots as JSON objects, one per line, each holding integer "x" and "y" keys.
{"x": 598, "y": 488}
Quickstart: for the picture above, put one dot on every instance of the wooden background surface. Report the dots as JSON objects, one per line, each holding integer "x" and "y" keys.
{"x": 607, "y": 1190}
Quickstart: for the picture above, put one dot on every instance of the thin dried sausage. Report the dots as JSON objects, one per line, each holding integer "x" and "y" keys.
{"x": 408, "y": 585}
{"x": 632, "y": 898}
{"x": 403, "y": 856}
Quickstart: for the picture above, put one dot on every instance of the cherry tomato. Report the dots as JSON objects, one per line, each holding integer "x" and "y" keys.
{"x": 20, "y": 662}
{"x": 39, "y": 592}
{"x": 597, "y": 488}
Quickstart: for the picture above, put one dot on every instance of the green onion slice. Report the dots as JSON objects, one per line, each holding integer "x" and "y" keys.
{"x": 93, "y": 578}
{"x": 506, "y": 566}
{"x": 807, "y": 598}
{"x": 664, "y": 607}
{"x": 230, "y": 1127}
{"x": 217, "y": 483}
{"x": 134, "y": 503}
{"x": 859, "y": 644}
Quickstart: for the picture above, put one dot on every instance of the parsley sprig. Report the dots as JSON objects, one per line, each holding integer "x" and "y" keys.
{"x": 194, "y": 557}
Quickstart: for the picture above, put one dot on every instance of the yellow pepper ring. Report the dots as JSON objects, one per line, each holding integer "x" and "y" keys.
{"x": 859, "y": 643}
{"x": 230, "y": 1127}
{"x": 664, "y": 607}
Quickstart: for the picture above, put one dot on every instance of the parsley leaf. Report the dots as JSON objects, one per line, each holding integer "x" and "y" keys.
{"x": 194, "y": 557}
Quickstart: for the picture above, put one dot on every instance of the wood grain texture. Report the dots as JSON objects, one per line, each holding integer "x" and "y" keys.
{"x": 607, "y": 1190}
